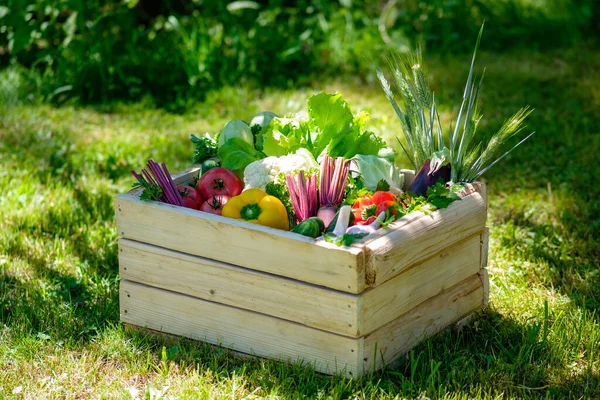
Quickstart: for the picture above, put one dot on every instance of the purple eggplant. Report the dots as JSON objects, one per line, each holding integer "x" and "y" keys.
{"x": 424, "y": 179}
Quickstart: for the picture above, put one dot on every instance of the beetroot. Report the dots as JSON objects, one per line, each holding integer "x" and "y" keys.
{"x": 424, "y": 179}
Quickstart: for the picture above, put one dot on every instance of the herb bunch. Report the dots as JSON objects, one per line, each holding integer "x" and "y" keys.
{"x": 469, "y": 155}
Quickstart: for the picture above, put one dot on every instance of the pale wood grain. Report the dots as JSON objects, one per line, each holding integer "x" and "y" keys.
{"x": 419, "y": 283}
{"x": 240, "y": 330}
{"x": 315, "y": 306}
{"x": 485, "y": 281}
{"x": 241, "y": 243}
{"x": 475, "y": 187}
{"x": 485, "y": 238}
{"x": 397, "y": 337}
{"x": 424, "y": 237}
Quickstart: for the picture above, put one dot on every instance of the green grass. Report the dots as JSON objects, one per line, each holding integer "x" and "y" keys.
{"x": 60, "y": 335}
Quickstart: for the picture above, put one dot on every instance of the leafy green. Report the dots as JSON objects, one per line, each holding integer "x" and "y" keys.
{"x": 355, "y": 188}
{"x": 383, "y": 186}
{"x": 236, "y": 154}
{"x": 206, "y": 147}
{"x": 151, "y": 192}
{"x": 373, "y": 169}
{"x": 440, "y": 196}
{"x": 279, "y": 190}
{"x": 331, "y": 128}
{"x": 344, "y": 240}
{"x": 284, "y": 136}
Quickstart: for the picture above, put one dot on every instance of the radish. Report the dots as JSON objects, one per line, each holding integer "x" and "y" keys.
{"x": 303, "y": 195}
{"x": 334, "y": 176}
{"x": 367, "y": 229}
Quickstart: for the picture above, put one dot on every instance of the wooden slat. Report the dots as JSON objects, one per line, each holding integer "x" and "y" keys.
{"x": 240, "y": 330}
{"x": 475, "y": 187}
{"x": 485, "y": 281}
{"x": 423, "y": 237}
{"x": 310, "y": 305}
{"x": 241, "y": 243}
{"x": 419, "y": 283}
{"x": 397, "y": 337}
{"x": 485, "y": 238}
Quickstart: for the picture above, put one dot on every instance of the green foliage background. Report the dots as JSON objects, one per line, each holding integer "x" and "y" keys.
{"x": 87, "y": 93}
{"x": 176, "y": 50}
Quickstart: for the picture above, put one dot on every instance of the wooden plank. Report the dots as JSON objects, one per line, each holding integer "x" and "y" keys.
{"x": 207, "y": 279}
{"x": 240, "y": 330}
{"x": 485, "y": 238}
{"x": 485, "y": 281}
{"x": 399, "y": 336}
{"x": 475, "y": 187}
{"x": 241, "y": 243}
{"x": 419, "y": 283}
{"x": 423, "y": 237}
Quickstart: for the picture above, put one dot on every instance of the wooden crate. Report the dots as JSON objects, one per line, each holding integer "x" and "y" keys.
{"x": 280, "y": 295}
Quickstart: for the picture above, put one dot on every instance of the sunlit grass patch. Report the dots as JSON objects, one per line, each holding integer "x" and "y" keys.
{"x": 60, "y": 334}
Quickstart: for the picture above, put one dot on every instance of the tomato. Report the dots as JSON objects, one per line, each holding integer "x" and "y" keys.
{"x": 360, "y": 207}
{"x": 189, "y": 202}
{"x": 380, "y": 197}
{"x": 368, "y": 207}
{"x": 388, "y": 208}
{"x": 189, "y": 191}
{"x": 214, "y": 205}
{"x": 219, "y": 181}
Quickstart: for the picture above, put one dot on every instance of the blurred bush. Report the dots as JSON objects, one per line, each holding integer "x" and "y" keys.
{"x": 176, "y": 50}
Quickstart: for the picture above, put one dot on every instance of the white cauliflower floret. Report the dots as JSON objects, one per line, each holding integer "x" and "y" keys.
{"x": 261, "y": 172}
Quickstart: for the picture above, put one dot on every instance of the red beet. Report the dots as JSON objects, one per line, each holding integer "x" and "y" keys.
{"x": 423, "y": 179}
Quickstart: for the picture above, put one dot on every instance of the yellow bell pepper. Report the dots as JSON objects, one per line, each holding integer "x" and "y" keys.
{"x": 254, "y": 205}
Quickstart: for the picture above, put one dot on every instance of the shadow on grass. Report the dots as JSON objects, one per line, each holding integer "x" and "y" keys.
{"x": 492, "y": 355}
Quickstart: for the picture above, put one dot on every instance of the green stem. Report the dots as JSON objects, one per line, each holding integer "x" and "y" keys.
{"x": 250, "y": 212}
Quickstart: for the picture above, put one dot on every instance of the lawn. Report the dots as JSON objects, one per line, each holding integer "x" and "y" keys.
{"x": 60, "y": 335}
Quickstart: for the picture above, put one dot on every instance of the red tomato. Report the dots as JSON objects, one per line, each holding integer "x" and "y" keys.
{"x": 380, "y": 197}
{"x": 385, "y": 207}
{"x": 214, "y": 205}
{"x": 359, "y": 206}
{"x": 219, "y": 181}
{"x": 189, "y": 202}
{"x": 189, "y": 191}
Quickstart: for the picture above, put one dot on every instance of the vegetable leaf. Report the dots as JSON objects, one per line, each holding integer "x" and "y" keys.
{"x": 383, "y": 186}
{"x": 355, "y": 188}
{"x": 279, "y": 190}
{"x": 441, "y": 196}
{"x": 236, "y": 154}
{"x": 284, "y": 136}
{"x": 345, "y": 240}
{"x": 373, "y": 169}
{"x": 206, "y": 147}
{"x": 151, "y": 192}
{"x": 330, "y": 118}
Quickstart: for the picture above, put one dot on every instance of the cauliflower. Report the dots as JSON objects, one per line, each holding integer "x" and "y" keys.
{"x": 261, "y": 172}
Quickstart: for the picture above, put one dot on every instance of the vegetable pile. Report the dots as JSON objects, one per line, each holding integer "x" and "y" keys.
{"x": 323, "y": 175}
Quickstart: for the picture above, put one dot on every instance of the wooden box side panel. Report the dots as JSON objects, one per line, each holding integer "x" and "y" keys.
{"x": 237, "y": 329}
{"x": 419, "y": 283}
{"x": 396, "y": 338}
{"x": 422, "y": 237}
{"x": 218, "y": 282}
{"x": 240, "y": 243}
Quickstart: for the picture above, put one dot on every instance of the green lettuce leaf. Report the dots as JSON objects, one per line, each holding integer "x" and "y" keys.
{"x": 284, "y": 136}
{"x": 236, "y": 154}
